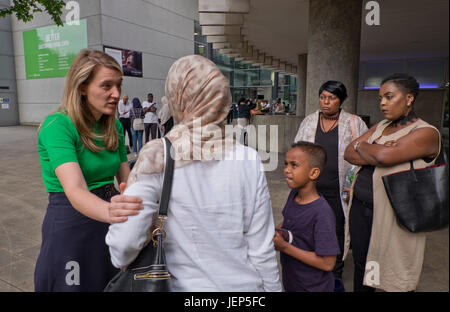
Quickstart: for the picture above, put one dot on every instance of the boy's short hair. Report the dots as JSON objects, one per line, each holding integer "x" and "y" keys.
{"x": 316, "y": 154}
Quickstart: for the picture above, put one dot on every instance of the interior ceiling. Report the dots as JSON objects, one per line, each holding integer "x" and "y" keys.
{"x": 409, "y": 29}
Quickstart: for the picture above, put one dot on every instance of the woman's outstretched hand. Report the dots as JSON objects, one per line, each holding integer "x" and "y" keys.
{"x": 122, "y": 206}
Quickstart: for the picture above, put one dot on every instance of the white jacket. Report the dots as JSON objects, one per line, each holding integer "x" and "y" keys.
{"x": 219, "y": 227}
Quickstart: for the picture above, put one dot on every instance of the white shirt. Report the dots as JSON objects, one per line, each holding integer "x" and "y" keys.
{"x": 164, "y": 114}
{"x": 219, "y": 227}
{"x": 150, "y": 117}
{"x": 124, "y": 110}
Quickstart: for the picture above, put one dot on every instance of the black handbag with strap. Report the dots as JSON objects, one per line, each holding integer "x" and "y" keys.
{"x": 419, "y": 197}
{"x": 148, "y": 272}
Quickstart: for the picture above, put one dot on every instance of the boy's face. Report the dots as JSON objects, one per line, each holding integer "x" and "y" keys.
{"x": 297, "y": 170}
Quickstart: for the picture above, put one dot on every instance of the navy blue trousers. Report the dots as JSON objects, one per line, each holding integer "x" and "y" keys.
{"x": 74, "y": 256}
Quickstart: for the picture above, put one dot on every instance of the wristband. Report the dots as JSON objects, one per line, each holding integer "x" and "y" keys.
{"x": 355, "y": 146}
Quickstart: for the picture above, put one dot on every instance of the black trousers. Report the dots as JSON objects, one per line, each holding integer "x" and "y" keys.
{"x": 230, "y": 117}
{"x": 360, "y": 225}
{"x": 126, "y": 125}
{"x": 153, "y": 128}
{"x": 335, "y": 202}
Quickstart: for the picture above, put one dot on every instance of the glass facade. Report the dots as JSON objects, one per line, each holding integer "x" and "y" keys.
{"x": 250, "y": 81}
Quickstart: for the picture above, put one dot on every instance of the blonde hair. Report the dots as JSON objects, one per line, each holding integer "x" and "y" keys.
{"x": 75, "y": 106}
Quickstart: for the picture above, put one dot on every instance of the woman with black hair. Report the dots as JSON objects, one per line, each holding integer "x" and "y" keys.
{"x": 243, "y": 116}
{"x": 386, "y": 255}
{"x": 137, "y": 112}
{"x": 334, "y": 129}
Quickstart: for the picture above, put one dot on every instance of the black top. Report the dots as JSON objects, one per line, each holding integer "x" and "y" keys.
{"x": 328, "y": 182}
{"x": 243, "y": 110}
{"x": 363, "y": 188}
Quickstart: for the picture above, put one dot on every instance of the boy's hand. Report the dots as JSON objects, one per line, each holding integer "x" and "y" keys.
{"x": 279, "y": 243}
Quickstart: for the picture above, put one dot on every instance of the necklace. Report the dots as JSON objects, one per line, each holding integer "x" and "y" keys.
{"x": 411, "y": 116}
{"x": 328, "y": 118}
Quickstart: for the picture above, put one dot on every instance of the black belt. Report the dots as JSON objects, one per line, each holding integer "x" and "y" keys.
{"x": 106, "y": 191}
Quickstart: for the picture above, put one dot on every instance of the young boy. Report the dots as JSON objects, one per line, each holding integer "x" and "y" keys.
{"x": 307, "y": 263}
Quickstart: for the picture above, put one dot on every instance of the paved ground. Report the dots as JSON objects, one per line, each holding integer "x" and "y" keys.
{"x": 23, "y": 202}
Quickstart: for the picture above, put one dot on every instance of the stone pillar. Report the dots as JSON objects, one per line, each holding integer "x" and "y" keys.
{"x": 301, "y": 85}
{"x": 275, "y": 87}
{"x": 333, "y": 48}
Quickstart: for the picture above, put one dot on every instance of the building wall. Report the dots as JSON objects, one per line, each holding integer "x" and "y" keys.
{"x": 163, "y": 30}
{"x": 39, "y": 97}
{"x": 8, "y": 116}
{"x": 428, "y": 106}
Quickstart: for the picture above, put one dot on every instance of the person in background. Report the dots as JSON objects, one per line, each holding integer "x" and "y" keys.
{"x": 165, "y": 117}
{"x": 308, "y": 260}
{"x": 243, "y": 116}
{"x": 279, "y": 107}
{"x": 81, "y": 148}
{"x": 124, "y": 118}
{"x": 333, "y": 128}
{"x": 230, "y": 114}
{"x": 220, "y": 223}
{"x": 151, "y": 118}
{"x": 137, "y": 112}
{"x": 371, "y": 227}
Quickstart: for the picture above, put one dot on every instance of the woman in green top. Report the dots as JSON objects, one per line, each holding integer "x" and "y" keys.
{"x": 81, "y": 148}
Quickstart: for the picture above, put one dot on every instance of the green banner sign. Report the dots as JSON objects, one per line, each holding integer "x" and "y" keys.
{"x": 49, "y": 51}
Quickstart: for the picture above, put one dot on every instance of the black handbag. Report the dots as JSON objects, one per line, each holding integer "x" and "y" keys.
{"x": 148, "y": 272}
{"x": 419, "y": 197}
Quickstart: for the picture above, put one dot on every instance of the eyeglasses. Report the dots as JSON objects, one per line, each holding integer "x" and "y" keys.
{"x": 330, "y": 98}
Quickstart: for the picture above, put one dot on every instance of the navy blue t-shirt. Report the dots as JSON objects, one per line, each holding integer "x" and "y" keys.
{"x": 314, "y": 229}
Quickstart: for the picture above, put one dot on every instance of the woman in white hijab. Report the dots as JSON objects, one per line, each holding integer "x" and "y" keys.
{"x": 220, "y": 223}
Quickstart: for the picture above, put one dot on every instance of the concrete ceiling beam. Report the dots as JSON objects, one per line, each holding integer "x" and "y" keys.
{"x": 224, "y": 6}
{"x": 261, "y": 57}
{"x": 220, "y": 19}
{"x": 268, "y": 61}
{"x": 288, "y": 68}
{"x": 228, "y": 45}
{"x": 221, "y": 30}
{"x": 226, "y": 38}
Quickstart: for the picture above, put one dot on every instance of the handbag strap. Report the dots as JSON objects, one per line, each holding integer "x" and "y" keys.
{"x": 441, "y": 159}
{"x": 168, "y": 177}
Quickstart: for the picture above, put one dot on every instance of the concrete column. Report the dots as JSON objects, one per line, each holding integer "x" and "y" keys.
{"x": 301, "y": 85}
{"x": 333, "y": 48}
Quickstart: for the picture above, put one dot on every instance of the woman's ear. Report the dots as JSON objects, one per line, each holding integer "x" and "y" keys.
{"x": 409, "y": 99}
{"x": 314, "y": 173}
{"x": 82, "y": 89}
